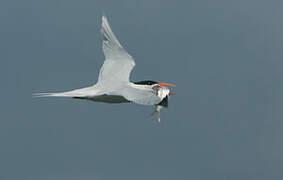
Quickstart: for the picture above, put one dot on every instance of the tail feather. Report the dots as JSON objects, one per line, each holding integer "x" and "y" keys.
{"x": 63, "y": 94}
{"x": 83, "y": 92}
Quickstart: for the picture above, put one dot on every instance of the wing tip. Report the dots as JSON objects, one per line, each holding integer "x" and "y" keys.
{"x": 104, "y": 20}
{"x": 103, "y": 16}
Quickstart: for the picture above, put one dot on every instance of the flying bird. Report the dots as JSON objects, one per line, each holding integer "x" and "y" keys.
{"x": 114, "y": 85}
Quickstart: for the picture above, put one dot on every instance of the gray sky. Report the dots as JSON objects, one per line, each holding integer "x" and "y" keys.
{"x": 223, "y": 123}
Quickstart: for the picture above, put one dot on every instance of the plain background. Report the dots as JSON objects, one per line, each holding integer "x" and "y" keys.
{"x": 223, "y": 123}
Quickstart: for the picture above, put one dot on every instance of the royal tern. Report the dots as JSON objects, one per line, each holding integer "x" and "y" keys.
{"x": 114, "y": 85}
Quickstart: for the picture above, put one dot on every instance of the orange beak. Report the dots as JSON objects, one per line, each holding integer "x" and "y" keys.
{"x": 166, "y": 84}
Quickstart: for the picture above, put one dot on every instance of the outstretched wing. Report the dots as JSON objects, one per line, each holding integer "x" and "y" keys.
{"x": 118, "y": 63}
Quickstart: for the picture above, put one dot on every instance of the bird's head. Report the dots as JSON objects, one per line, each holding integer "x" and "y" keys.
{"x": 160, "y": 88}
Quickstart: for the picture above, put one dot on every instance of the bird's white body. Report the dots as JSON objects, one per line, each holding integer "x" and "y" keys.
{"x": 114, "y": 85}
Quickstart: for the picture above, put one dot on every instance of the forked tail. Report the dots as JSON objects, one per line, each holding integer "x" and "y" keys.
{"x": 62, "y": 94}
{"x": 83, "y": 92}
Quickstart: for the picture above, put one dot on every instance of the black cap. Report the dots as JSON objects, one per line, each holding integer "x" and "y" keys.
{"x": 147, "y": 82}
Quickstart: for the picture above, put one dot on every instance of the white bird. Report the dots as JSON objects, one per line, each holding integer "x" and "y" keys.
{"x": 114, "y": 85}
